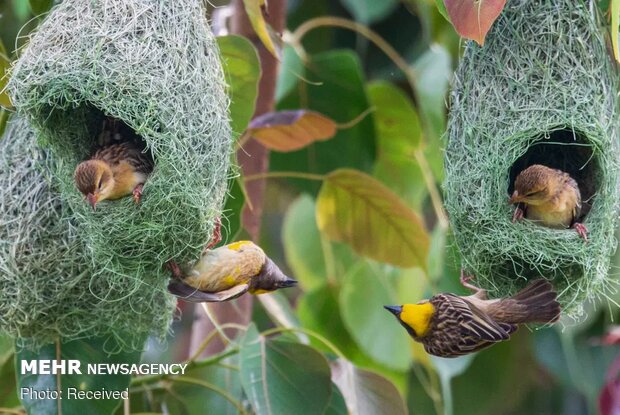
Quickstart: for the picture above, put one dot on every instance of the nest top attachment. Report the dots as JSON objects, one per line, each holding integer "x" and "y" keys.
{"x": 542, "y": 90}
{"x": 155, "y": 66}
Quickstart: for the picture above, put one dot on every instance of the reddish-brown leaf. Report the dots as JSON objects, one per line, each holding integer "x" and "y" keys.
{"x": 472, "y": 19}
{"x": 291, "y": 130}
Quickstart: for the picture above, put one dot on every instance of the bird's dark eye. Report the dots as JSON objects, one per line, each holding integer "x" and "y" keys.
{"x": 534, "y": 193}
{"x": 100, "y": 184}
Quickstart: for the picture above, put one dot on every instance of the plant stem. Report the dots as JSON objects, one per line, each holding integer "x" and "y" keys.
{"x": 446, "y": 391}
{"x": 142, "y": 380}
{"x": 284, "y": 174}
{"x": 310, "y": 333}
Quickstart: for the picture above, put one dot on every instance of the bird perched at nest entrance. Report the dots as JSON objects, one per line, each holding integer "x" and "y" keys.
{"x": 227, "y": 272}
{"x": 549, "y": 197}
{"x": 449, "y": 325}
{"x": 116, "y": 170}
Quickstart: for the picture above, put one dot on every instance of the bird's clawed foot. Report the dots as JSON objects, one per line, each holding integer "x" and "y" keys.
{"x": 518, "y": 215}
{"x": 137, "y": 193}
{"x": 581, "y": 230}
{"x": 175, "y": 269}
{"x": 465, "y": 281}
{"x": 217, "y": 234}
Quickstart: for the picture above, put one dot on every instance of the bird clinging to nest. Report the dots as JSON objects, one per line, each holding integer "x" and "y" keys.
{"x": 227, "y": 272}
{"x": 449, "y": 325}
{"x": 120, "y": 168}
{"x": 549, "y": 197}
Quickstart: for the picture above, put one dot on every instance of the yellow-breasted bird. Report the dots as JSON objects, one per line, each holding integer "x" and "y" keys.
{"x": 227, "y": 272}
{"x": 549, "y": 197}
{"x": 114, "y": 171}
{"x": 449, "y": 325}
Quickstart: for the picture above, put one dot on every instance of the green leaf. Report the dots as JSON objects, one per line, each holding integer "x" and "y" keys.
{"x": 302, "y": 243}
{"x": 339, "y": 95}
{"x": 395, "y": 118}
{"x": 319, "y": 311}
{"x": 281, "y": 377}
{"x": 8, "y": 385}
{"x": 442, "y": 9}
{"x": 191, "y": 398}
{"x": 433, "y": 71}
{"x": 370, "y": 11}
{"x": 40, "y": 6}
{"x": 355, "y": 208}
{"x": 86, "y": 351}
{"x": 291, "y": 130}
{"x": 366, "y": 393}
{"x": 365, "y": 291}
{"x": 615, "y": 25}
{"x": 291, "y": 68}
{"x": 399, "y": 135}
{"x": 255, "y": 14}
{"x": 337, "y": 405}
{"x": 472, "y": 19}
{"x": 242, "y": 69}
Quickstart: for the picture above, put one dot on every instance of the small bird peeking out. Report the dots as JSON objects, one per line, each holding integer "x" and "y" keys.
{"x": 114, "y": 171}
{"x": 449, "y": 325}
{"x": 227, "y": 272}
{"x": 549, "y": 197}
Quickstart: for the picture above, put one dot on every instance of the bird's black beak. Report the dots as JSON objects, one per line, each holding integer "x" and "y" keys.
{"x": 394, "y": 309}
{"x": 288, "y": 283}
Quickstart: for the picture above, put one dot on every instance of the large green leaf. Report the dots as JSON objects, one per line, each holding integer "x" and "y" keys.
{"x": 8, "y": 386}
{"x": 193, "y": 398}
{"x": 399, "y": 135}
{"x": 366, "y": 289}
{"x": 369, "y": 11}
{"x": 291, "y": 68}
{"x": 337, "y": 405}
{"x": 433, "y": 72}
{"x": 281, "y": 377}
{"x": 395, "y": 118}
{"x": 87, "y": 351}
{"x": 232, "y": 211}
{"x": 242, "y": 69}
{"x": 355, "y": 208}
{"x": 253, "y": 8}
{"x": 366, "y": 393}
{"x": 337, "y": 91}
{"x": 302, "y": 243}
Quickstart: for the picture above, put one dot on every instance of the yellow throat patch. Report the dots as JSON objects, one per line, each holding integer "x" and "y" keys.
{"x": 418, "y": 317}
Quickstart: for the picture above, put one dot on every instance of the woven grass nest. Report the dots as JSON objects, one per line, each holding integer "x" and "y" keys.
{"x": 155, "y": 66}
{"x": 542, "y": 90}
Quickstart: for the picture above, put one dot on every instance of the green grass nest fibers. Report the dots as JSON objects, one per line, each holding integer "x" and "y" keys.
{"x": 542, "y": 90}
{"x": 70, "y": 271}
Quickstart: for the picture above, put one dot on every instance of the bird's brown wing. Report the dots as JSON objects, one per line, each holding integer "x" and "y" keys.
{"x": 577, "y": 208}
{"x": 113, "y": 154}
{"x": 193, "y": 295}
{"x": 460, "y": 328}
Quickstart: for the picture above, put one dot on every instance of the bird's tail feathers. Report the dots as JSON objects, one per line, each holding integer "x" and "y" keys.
{"x": 536, "y": 303}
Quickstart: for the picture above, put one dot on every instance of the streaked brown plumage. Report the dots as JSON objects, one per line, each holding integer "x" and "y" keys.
{"x": 114, "y": 171}
{"x": 449, "y": 325}
{"x": 549, "y": 197}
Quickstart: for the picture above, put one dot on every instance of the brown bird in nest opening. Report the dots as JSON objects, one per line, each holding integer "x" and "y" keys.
{"x": 549, "y": 197}
{"x": 118, "y": 169}
{"x": 450, "y": 325}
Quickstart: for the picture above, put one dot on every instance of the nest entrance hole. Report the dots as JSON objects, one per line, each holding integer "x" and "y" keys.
{"x": 567, "y": 150}
{"x": 79, "y": 131}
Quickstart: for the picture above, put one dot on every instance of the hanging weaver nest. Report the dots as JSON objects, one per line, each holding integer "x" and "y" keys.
{"x": 542, "y": 90}
{"x": 154, "y": 66}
